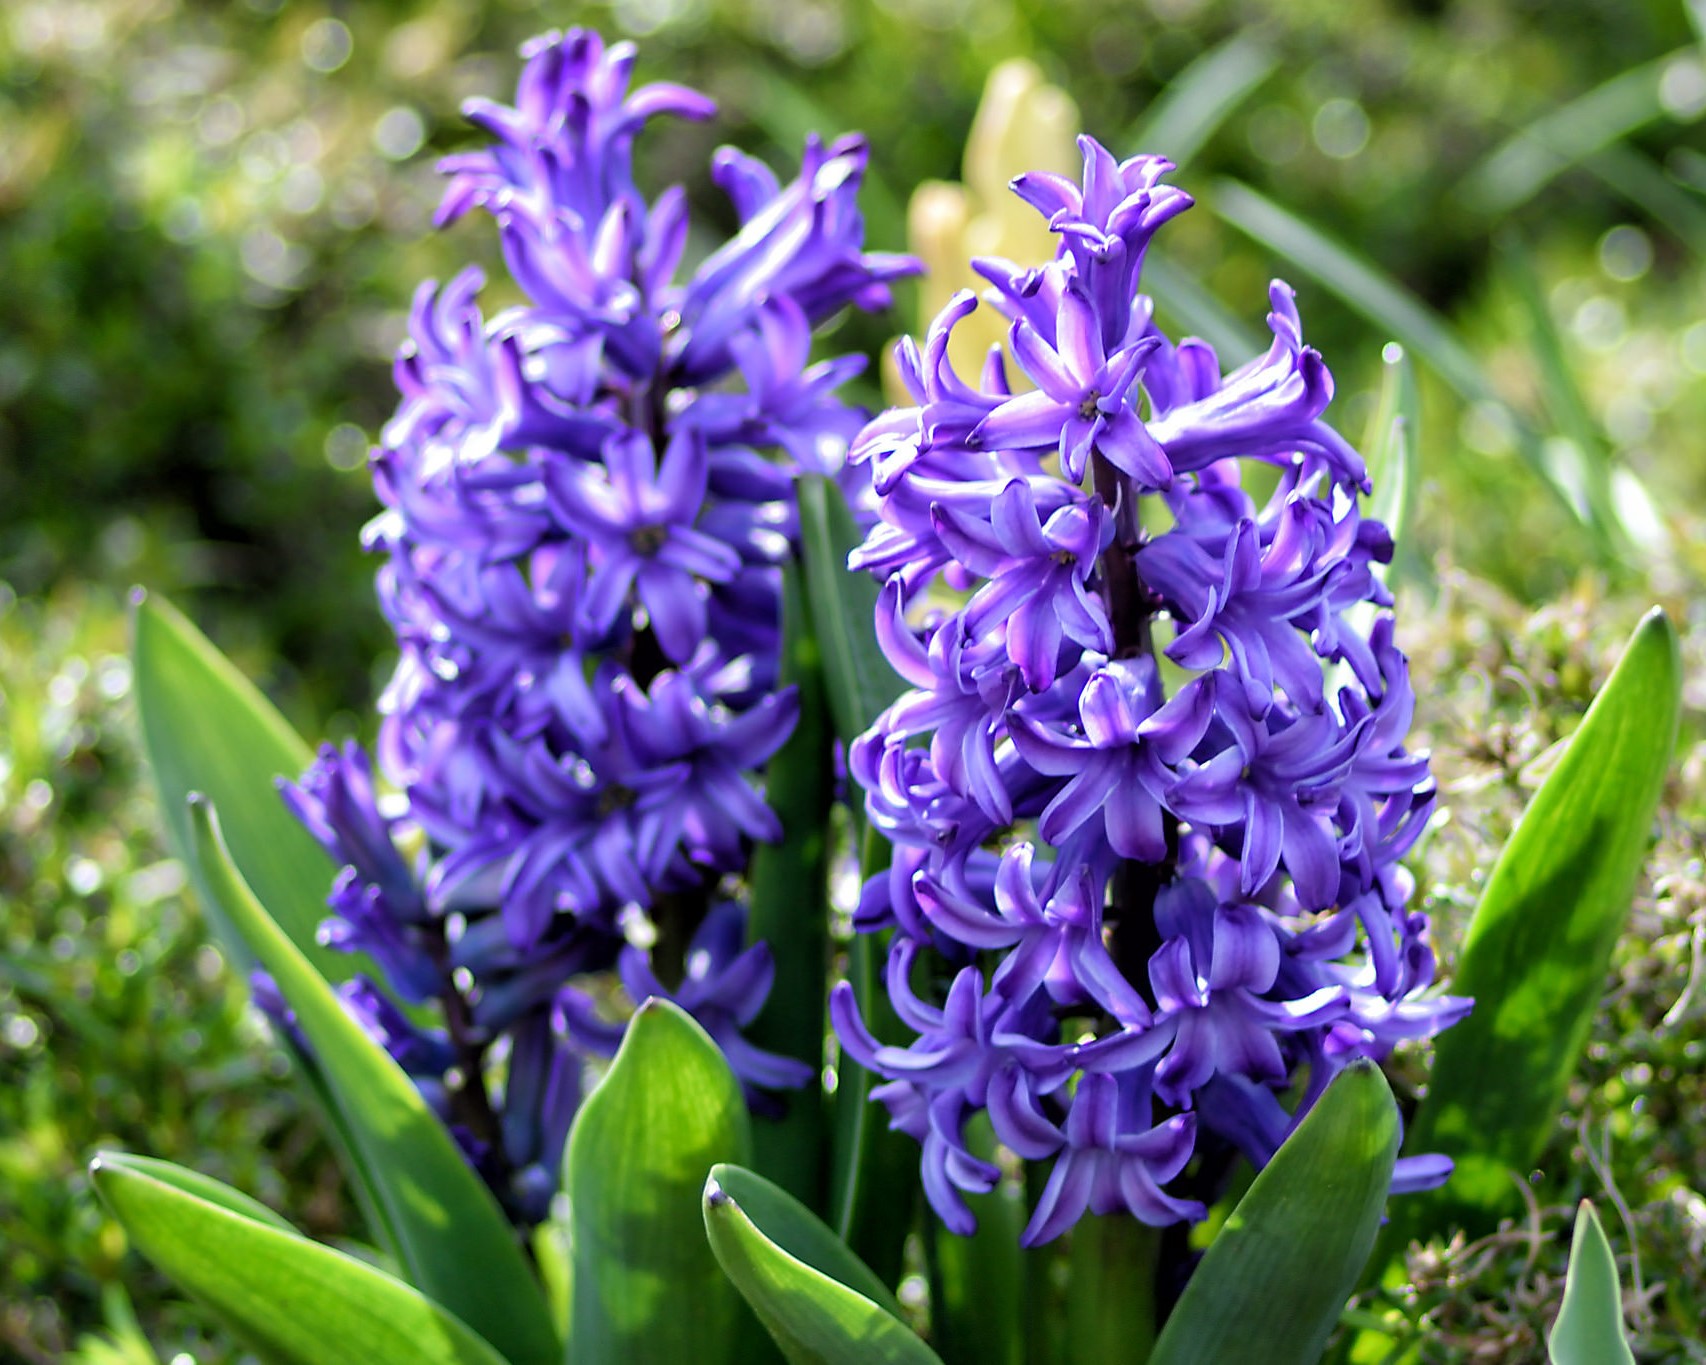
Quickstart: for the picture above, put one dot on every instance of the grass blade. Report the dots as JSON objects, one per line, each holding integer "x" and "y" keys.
{"x": 1530, "y": 159}
{"x": 1201, "y": 98}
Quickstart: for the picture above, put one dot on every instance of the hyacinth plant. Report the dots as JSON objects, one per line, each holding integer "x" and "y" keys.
{"x": 1098, "y": 652}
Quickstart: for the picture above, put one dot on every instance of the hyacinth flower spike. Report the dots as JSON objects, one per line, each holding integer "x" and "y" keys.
{"x": 1196, "y": 897}
{"x": 588, "y": 502}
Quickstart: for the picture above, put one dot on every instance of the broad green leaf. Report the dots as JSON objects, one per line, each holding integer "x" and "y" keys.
{"x": 1201, "y": 97}
{"x": 646, "y": 1288}
{"x": 295, "y": 1301}
{"x": 1525, "y": 163}
{"x": 1274, "y": 1281}
{"x": 843, "y": 606}
{"x": 453, "y": 1240}
{"x": 802, "y": 1234}
{"x": 195, "y": 1185}
{"x": 1537, "y": 951}
{"x": 977, "y": 1283}
{"x": 814, "y": 1317}
{"x": 1368, "y": 291}
{"x": 790, "y": 910}
{"x": 1589, "y": 1329}
{"x": 206, "y": 728}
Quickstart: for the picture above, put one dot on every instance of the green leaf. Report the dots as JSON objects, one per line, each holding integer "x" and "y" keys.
{"x": 647, "y": 1290}
{"x": 1636, "y": 177}
{"x": 1110, "y": 1292}
{"x": 1589, "y": 1330}
{"x": 790, "y": 910}
{"x": 802, "y": 1234}
{"x": 1537, "y": 951}
{"x": 1201, "y": 97}
{"x": 1525, "y": 163}
{"x": 295, "y": 1301}
{"x": 843, "y": 604}
{"x": 815, "y": 1317}
{"x": 1288, "y": 1257}
{"x": 453, "y": 1240}
{"x": 206, "y": 728}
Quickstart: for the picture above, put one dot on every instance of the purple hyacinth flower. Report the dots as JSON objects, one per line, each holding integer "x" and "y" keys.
{"x": 1113, "y": 1160}
{"x": 1121, "y": 764}
{"x": 1083, "y": 402}
{"x": 637, "y": 515}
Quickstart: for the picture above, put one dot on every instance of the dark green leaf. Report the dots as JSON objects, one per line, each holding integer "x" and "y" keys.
{"x": 1201, "y": 97}
{"x": 843, "y": 605}
{"x": 816, "y": 1318}
{"x": 1589, "y": 1330}
{"x": 1537, "y": 950}
{"x": 646, "y": 1288}
{"x": 206, "y": 728}
{"x": 454, "y": 1241}
{"x": 295, "y": 1301}
{"x": 790, "y": 911}
{"x": 1276, "y": 1278}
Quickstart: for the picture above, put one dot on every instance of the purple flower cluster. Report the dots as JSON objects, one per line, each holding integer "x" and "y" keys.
{"x": 588, "y": 501}
{"x": 1143, "y": 854}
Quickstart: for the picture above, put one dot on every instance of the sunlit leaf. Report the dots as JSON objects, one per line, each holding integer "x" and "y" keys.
{"x": 646, "y": 1288}
{"x": 1538, "y": 949}
{"x": 206, "y": 728}
{"x": 812, "y": 1313}
{"x": 295, "y": 1301}
{"x": 455, "y": 1243}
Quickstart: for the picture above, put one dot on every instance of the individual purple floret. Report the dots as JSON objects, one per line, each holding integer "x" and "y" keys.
{"x": 1148, "y": 789}
{"x": 588, "y": 502}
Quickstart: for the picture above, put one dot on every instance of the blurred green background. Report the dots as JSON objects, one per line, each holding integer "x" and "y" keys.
{"x": 211, "y": 220}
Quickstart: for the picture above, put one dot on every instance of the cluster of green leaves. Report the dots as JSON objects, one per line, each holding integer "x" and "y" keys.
{"x": 120, "y": 1025}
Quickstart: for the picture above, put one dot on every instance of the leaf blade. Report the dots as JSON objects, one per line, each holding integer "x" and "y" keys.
{"x": 451, "y": 1236}
{"x": 646, "y": 1288}
{"x": 1589, "y": 1328}
{"x": 206, "y": 728}
{"x": 1290, "y": 1253}
{"x": 297, "y": 1301}
{"x": 1536, "y": 971}
{"x": 815, "y": 1318}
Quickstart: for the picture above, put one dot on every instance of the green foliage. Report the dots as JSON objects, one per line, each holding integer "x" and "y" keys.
{"x": 1540, "y": 942}
{"x": 1281, "y": 1268}
{"x": 809, "y": 1298}
{"x": 1589, "y": 1330}
{"x": 119, "y": 1024}
{"x": 647, "y": 1289}
{"x": 207, "y": 728}
{"x": 295, "y": 1301}
{"x": 454, "y": 1242}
